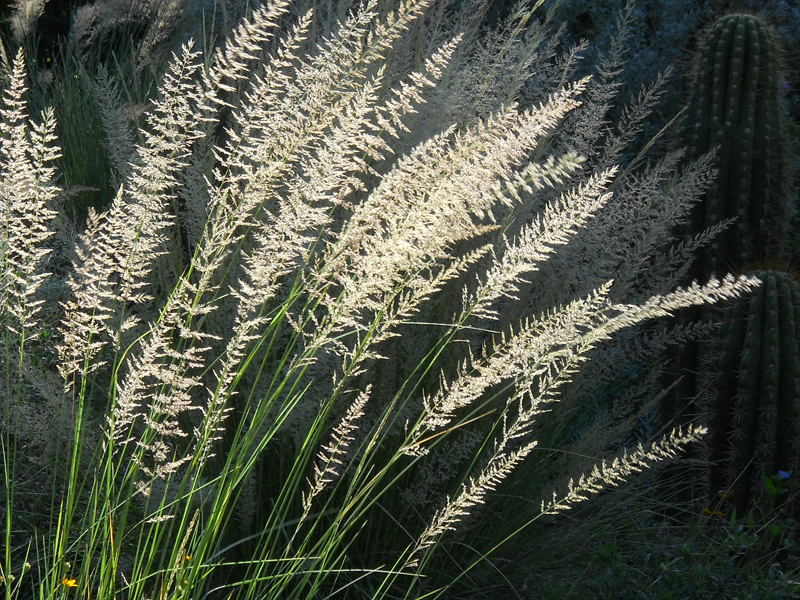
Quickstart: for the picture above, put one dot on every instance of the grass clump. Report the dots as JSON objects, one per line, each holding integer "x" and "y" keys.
{"x": 317, "y": 328}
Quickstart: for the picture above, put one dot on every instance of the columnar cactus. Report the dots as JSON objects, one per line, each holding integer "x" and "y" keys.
{"x": 755, "y": 390}
{"x": 735, "y": 107}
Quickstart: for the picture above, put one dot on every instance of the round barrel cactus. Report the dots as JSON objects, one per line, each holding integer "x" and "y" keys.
{"x": 735, "y": 108}
{"x": 754, "y": 398}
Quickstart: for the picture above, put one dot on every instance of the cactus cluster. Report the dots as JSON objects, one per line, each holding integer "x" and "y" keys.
{"x": 754, "y": 368}
{"x": 755, "y": 391}
{"x": 735, "y": 108}
{"x": 754, "y": 402}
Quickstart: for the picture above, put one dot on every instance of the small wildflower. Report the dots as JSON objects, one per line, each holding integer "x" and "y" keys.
{"x": 783, "y": 475}
{"x": 188, "y": 558}
{"x": 70, "y": 583}
{"x": 706, "y": 510}
{"x": 719, "y": 513}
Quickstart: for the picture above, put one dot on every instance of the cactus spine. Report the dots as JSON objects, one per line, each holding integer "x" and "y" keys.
{"x": 735, "y": 107}
{"x": 755, "y": 390}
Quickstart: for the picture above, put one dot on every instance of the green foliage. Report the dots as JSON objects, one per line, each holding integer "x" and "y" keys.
{"x": 735, "y": 108}
{"x": 712, "y": 558}
{"x": 84, "y": 164}
{"x": 755, "y": 420}
{"x": 65, "y": 78}
{"x": 633, "y": 546}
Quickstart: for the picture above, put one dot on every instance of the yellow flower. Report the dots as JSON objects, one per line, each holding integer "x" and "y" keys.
{"x": 706, "y": 510}
{"x": 69, "y": 582}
